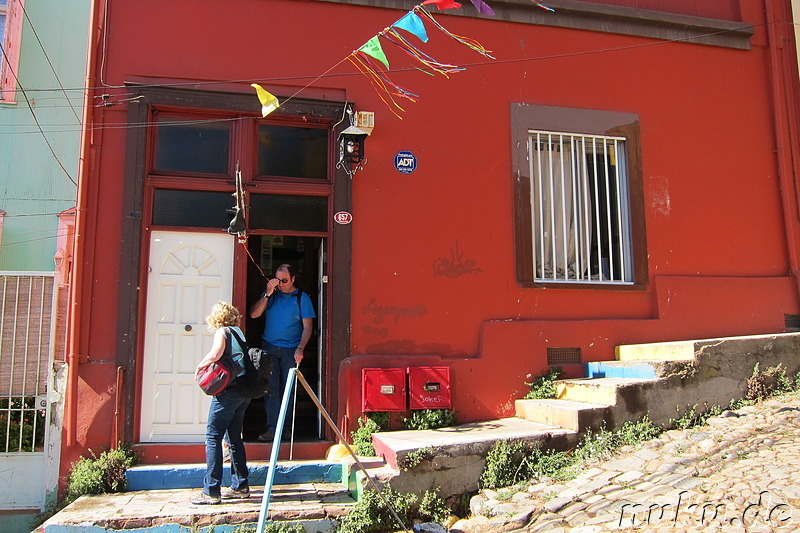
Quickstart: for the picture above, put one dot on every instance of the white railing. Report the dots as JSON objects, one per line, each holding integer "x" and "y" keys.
{"x": 580, "y": 213}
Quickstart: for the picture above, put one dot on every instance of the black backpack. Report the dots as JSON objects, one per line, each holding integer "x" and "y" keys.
{"x": 257, "y": 368}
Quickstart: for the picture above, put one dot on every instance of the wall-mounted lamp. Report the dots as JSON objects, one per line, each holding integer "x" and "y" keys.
{"x": 352, "y": 157}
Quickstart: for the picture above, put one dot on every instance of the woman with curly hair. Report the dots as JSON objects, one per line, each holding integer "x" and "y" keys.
{"x": 226, "y": 413}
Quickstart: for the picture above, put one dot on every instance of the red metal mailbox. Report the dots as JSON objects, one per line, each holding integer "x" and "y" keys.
{"x": 383, "y": 389}
{"x": 429, "y": 387}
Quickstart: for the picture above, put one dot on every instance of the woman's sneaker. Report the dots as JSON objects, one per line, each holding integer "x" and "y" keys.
{"x": 233, "y": 494}
{"x": 205, "y": 499}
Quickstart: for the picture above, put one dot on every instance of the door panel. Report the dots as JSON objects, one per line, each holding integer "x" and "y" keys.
{"x": 188, "y": 273}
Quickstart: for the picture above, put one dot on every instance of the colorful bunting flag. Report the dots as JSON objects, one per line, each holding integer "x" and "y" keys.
{"x": 483, "y": 8}
{"x": 365, "y": 57}
{"x": 442, "y": 4}
{"x": 269, "y": 102}
{"x": 412, "y": 24}
{"x": 373, "y": 49}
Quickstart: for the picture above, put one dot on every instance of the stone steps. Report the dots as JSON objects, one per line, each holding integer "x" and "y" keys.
{"x": 313, "y": 493}
{"x": 314, "y": 505}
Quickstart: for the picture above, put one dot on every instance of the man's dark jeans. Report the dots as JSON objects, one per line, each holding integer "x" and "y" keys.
{"x": 225, "y": 414}
{"x": 282, "y": 362}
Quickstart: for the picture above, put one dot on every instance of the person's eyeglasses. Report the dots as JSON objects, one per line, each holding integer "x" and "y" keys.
{"x": 283, "y": 280}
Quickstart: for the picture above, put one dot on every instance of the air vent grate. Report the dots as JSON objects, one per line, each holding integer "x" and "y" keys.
{"x": 792, "y": 321}
{"x": 563, "y": 356}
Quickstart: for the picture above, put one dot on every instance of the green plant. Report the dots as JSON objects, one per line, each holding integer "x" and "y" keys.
{"x": 632, "y": 433}
{"x": 738, "y": 403}
{"x": 549, "y": 464}
{"x": 430, "y": 419}
{"x": 509, "y": 463}
{"x": 414, "y": 457}
{"x": 692, "y": 417}
{"x": 771, "y": 381}
{"x": 432, "y": 508}
{"x": 97, "y": 475}
{"x": 543, "y": 387}
{"x": 503, "y": 464}
{"x": 371, "y": 515}
{"x": 362, "y": 437}
{"x": 22, "y": 426}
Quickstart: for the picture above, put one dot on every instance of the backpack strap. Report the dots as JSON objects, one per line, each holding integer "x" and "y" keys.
{"x": 242, "y": 343}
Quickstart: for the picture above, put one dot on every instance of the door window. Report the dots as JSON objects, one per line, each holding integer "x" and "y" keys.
{"x": 292, "y": 152}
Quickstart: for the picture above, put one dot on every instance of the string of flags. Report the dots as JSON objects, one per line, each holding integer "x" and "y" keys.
{"x": 370, "y": 57}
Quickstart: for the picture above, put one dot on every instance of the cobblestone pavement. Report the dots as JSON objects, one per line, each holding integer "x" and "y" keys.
{"x": 739, "y": 472}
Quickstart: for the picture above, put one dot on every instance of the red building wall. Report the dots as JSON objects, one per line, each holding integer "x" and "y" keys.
{"x": 715, "y": 233}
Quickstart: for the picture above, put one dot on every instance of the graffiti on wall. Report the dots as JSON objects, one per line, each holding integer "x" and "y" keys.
{"x": 455, "y": 265}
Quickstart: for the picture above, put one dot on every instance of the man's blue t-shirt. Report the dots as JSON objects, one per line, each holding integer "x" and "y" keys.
{"x": 284, "y": 325}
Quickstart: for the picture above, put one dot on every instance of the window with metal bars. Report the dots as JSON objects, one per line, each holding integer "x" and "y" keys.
{"x": 580, "y": 214}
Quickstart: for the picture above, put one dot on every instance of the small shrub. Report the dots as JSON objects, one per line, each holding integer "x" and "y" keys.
{"x": 548, "y": 464}
{"x": 97, "y": 475}
{"x": 414, "y": 457}
{"x": 596, "y": 446}
{"x": 430, "y": 419}
{"x": 503, "y": 465}
{"x": 543, "y": 387}
{"x": 692, "y": 417}
{"x": 644, "y": 429}
{"x": 771, "y": 381}
{"x": 509, "y": 463}
{"x": 362, "y": 437}
{"x": 432, "y": 508}
{"x": 371, "y": 515}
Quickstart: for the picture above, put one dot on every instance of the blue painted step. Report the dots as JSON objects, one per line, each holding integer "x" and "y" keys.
{"x": 157, "y": 477}
{"x": 618, "y": 369}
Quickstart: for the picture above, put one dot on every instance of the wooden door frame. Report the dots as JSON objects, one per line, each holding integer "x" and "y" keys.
{"x": 136, "y": 229}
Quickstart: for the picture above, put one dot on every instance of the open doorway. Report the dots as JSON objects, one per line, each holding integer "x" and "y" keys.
{"x": 307, "y": 255}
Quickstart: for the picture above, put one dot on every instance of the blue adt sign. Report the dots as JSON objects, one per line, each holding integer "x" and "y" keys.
{"x": 405, "y": 162}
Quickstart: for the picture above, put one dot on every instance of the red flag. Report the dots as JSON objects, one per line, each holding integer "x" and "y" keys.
{"x": 443, "y": 4}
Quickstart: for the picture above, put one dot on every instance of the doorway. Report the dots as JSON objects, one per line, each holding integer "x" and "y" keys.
{"x": 307, "y": 255}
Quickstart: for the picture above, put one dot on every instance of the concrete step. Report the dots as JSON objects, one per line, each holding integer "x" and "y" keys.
{"x": 453, "y": 458}
{"x": 183, "y": 476}
{"x": 601, "y": 391}
{"x": 658, "y": 351}
{"x": 575, "y": 416}
{"x": 316, "y": 506}
{"x": 640, "y": 369}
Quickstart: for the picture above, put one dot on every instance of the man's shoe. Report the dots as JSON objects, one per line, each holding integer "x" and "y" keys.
{"x": 205, "y": 499}
{"x": 267, "y": 436}
{"x": 233, "y": 494}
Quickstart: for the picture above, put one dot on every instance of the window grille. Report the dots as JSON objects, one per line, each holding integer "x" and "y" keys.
{"x": 563, "y": 356}
{"x": 579, "y": 208}
{"x": 26, "y": 328}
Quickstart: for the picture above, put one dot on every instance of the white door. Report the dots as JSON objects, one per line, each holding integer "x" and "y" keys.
{"x": 187, "y": 274}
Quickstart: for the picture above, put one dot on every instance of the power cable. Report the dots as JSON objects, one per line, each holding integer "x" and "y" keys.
{"x": 55, "y": 74}
{"x": 33, "y": 114}
{"x": 329, "y": 75}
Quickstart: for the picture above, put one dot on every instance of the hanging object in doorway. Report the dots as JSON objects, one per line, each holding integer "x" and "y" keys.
{"x": 238, "y": 225}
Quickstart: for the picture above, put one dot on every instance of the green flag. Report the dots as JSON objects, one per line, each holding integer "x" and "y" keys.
{"x": 373, "y": 48}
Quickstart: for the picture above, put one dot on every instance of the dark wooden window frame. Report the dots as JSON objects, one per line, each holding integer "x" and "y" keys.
{"x": 134, "y": 224}
{"x": 526, "y": 117}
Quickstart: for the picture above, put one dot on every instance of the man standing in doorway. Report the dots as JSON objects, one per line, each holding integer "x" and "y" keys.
{"x": 289, "y": 318}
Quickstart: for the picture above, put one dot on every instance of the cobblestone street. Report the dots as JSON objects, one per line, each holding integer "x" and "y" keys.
{"x": 736, "y": 473}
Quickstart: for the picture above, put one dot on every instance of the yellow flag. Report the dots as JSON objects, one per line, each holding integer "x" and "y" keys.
{"x": 269, "y": 102}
